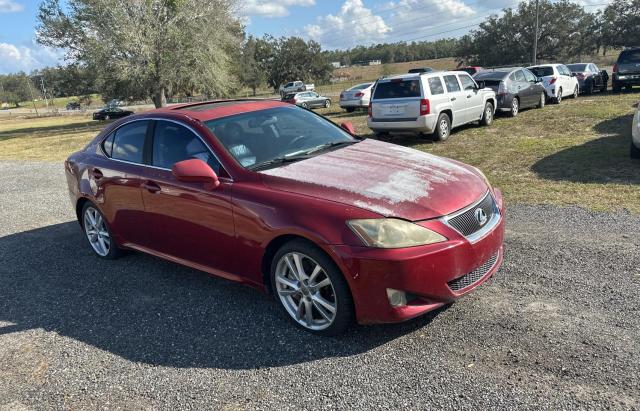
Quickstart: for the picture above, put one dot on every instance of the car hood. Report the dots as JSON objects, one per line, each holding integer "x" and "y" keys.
{"x": 384, "y": 178}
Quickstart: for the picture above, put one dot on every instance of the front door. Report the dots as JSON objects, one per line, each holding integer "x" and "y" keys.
{"x": 189, "y": 221}
{"x": 475, "y": 100}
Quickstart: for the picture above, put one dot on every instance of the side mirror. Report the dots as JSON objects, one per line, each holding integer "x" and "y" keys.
{"x": 348, "y": 127}
{"x": 195, "y": 171}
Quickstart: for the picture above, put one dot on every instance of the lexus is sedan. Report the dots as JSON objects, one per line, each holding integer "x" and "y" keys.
{"x": 336, "y": 227}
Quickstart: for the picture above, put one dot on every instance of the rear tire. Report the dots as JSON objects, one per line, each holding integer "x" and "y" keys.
{"x": 635, "y": 151}
{"x": 543, "y": 100}
{"x": 335, "y": 292}
{"x": 576, "y": 92}
{"x": 443, "y": 128}
{"x": 487, "y": 116}
{"x": 327, "y": 103}
{"x": 559, "y": 96}
{"x": 515, "y": 107}
{"x": 304, "y": 105}
{"x": 98, "y": 233}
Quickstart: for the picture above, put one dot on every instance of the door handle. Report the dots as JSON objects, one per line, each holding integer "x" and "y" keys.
{"x": 151, "y": 187}
{"x": 453, "y": 99}
{"x": 96, "y": 174}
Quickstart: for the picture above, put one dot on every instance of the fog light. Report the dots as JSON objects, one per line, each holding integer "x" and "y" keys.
{"x": 396, "y": 298}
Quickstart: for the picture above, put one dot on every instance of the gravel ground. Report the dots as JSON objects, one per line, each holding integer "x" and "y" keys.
{"x": 557, "y": 327}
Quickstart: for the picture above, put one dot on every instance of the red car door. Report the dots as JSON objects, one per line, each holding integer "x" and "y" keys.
{"x": 188, "y": 221}
{"x": 117, "y": 179}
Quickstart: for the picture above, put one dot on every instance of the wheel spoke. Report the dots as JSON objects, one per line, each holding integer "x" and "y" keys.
{"x": 308, "y": 315}
{"x": 326, "y": 304}
{"x": 103, "y": 244}
{"x": 287, "y": 260}
{"x": 301, "y": 274}
{"x": 91, "y": 217}
{"x": 288, "y": 283}
{"x": 299, "y": 311}
{"x": 321, "y": 310}
{"x": 322, "y": 283}
{"x": 317, "y": 270}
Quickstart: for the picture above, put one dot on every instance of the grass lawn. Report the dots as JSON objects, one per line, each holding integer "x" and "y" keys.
{"x": 573, "y": 153}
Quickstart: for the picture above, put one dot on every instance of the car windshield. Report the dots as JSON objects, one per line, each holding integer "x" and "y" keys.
{"x": 360, "y": 86}
{"x": 271, "y": 137}
{"x": 491, "y": 75}
{"x": 575, "y": 68}
{"x": 542, "y": 71}
{"x": 397, "y": 88}
{"x": 630, "y": 56}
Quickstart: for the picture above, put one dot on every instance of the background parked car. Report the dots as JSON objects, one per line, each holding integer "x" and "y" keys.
{"x": 421, "y": 70}
{"x": 515, "y": 88}
{"x": 557, "y": 80}
{"x": 308, "y": 99}
{"x": 626, "y": 71}
{"x": 357, "y": 96}
{"x": 471, "y": 69}
{"x": 115, "y": 103}
{"x": 74, "y": 105}
{"x": 109, "y": 113}
{"x": 295, "y": 86}
{"x": 635, "y": 134}
{"x": 430, "y": 103}
{"x": 590, "y": 77}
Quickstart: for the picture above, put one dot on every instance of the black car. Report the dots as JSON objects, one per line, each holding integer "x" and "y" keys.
{"x": 73, "y": 105}
{"x": 515, "y": 87}
{"x": 421, "y": 70}
{"x": 590, "y": 77}
{"x": 626, "y": 71}
{"x": 109, "y": 113}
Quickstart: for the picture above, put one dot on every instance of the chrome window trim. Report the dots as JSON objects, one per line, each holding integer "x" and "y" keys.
{"x": 229, "y": 179}
{"x": 488, "y": 227}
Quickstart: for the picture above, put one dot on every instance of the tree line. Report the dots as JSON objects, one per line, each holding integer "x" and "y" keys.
{"x": 159, "y": 49}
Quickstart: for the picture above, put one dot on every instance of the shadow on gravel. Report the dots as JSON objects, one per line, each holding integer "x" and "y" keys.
{"x": 604, "y": 160}
{"x": 147, "y": 310}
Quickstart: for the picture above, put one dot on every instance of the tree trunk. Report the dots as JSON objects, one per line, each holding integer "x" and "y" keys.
{"x": 159, "y": 97}
{"x": 254, "y": 91}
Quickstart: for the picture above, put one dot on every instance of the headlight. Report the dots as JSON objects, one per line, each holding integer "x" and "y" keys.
{"x": 393, "y": 233}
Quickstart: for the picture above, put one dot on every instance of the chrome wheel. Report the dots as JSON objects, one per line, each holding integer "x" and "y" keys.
{"x": 488, "y": 114}
{"x": 327, "y": 104}
{"x": 515, "y": 106}
{"x": 444, "y": 128}
{"x": 559, "y": 98}
{"x": 96, "y": 230}
{"x": 306, "y": 291}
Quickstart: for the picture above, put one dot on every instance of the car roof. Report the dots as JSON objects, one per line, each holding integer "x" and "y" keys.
{"x": 210, "y": 110}
{"x": 418, "y": 75}
{"x": 547, "y": 65}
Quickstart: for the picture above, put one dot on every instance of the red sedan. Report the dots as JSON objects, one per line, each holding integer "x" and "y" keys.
{"x": 274, "y": 196}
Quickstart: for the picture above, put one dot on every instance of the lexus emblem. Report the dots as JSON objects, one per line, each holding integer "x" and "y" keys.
{"x": 481, "y": 216}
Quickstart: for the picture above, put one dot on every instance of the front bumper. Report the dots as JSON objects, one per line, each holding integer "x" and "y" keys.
{"x": 423, "y": 272}
{"x": 422, "y": 124}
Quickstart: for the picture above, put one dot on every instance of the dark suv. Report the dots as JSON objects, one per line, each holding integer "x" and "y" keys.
{"x": 626, "y": 72}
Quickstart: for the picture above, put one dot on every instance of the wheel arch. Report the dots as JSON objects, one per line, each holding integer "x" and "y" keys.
{"x": 79, "y": 206}
{"x": 448, "y": 112}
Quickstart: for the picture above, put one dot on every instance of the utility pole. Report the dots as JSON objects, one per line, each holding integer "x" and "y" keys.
{"x": 31, "y": 93}
{"x": 535, "y": 39}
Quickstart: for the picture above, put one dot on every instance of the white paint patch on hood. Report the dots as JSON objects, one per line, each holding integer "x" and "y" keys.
{"x": 382, "y": 174}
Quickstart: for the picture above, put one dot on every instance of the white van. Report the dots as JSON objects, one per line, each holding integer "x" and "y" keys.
{"x": 429, "y": 103}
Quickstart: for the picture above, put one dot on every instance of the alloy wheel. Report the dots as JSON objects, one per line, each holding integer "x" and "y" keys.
{"x": 488, "y": 114}
{"x": 559, "y": 98}
{"x": 327, "y": 104}
{"x": 444, "y": 128}
{"x": 96, "y": 231}
{"x": 306, "y": 291}
{"x": 515, "y": 107}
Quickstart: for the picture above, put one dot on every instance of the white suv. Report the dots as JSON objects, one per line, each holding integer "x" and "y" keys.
{"x": 557, "y": 80}
{"x": 429, "y": 103}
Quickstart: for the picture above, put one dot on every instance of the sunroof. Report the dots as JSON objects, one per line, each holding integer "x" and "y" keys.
{"x": 213, "y": 104}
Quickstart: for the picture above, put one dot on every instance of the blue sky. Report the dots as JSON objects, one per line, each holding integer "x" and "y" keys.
{"x": 333, "y": 23}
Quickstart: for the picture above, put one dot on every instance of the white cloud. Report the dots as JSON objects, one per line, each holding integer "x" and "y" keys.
{"x": 354, "y": 24}
{"x": 10, "y": 6}
{"x": 22, "y": 58}
{"x": 272, "y": 8}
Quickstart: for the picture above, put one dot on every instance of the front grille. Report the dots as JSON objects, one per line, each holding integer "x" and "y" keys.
{"x": 474, "y": 276}
{"x": 467, "y": 223}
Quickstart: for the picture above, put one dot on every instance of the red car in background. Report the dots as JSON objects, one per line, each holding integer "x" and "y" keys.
{"x": 471, "y": 69}
{"x": 274, "y": 196}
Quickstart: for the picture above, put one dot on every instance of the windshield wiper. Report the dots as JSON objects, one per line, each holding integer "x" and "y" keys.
{"x": 333, "y": 144}
{"x": 277, "y": 161}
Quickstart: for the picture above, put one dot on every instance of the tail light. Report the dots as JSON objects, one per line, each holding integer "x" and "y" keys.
{"x": 553, "y": 80}
{"x": 615, "y": 68}
{"x": 359, "y": 94}
{"x": 370, "y": 111}
{"x": 502, "y": 89}
{"x": 425, "y": 107}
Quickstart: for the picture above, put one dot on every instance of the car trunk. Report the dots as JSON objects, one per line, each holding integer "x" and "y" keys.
{"x": 397, "y": 100}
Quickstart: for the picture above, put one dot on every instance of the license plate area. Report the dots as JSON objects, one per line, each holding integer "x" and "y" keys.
{"x": 394, "y": 109}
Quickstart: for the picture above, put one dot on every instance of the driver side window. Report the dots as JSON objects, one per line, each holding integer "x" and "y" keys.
{"x": 173, "y": 143}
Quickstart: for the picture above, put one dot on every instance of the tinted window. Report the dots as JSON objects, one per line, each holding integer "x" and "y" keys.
{"x": 529, "y": 76}
{"x": 397, "y": 89}
{"x": 629, "y": 56}
{"x": 564, "y": 70}
{"x": 128, "y": 143}
{"x": 435, "y": 86}
{"x": 519, "y": 75}
{"x": 542, "y": 71}
{"x": 452, "y": 83}
{"x": 107, "y": 144}
{"x": 360, "y": 86}
{"x": 577, "y": 67}
{"x": 173, "y": 143}
{"x": 467, "y": 83}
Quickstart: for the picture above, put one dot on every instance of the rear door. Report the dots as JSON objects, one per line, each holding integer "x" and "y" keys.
{"x": 458, "y": 98}
{"x": 187, "y": 221}
{"x": 397, "y": 99}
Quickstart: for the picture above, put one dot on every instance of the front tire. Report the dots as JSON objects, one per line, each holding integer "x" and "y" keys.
{"x": 98, "y": 233}
{"x": 443, "y": 128}
{"x": 515, "y": 107}
{"x": 487, "y": 117}
{"x": 311, "y": 289}
{"x": 327, "y": 103}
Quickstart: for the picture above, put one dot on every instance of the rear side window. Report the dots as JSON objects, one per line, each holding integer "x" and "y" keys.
{"x": 397, "y": 89}
{"x": 173, "y": 143}
{"x": 467, "y": 83}
{"x": 452, "y": 83}
{"x": 529, "y": 76}
{"x": 435, "y": 86}
{"x": 629, "y": 56}
{"x": 128, "y": 143}
{"x": 519, "y": 75}
{"x": 107, "y": 144}
{"x": 542, "y": 71}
